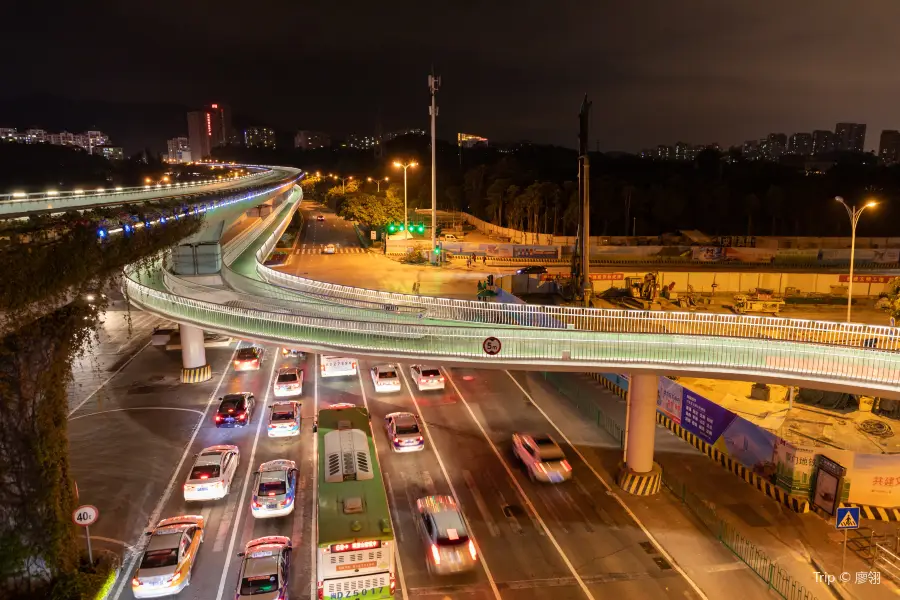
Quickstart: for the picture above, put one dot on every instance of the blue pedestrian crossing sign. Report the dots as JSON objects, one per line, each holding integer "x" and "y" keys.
{"x": 847, "y": 518}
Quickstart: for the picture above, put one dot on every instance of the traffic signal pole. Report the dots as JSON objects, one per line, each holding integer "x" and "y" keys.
{"x": 433, "y": 84}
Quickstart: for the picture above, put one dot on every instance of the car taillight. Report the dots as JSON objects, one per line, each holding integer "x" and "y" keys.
{"x": 218, "y": 418}
{"x": 472, "y": 551}
{"x": 435, "y": 554}
{"x": 255, "y": 504}
{"x": 396, "y": 440}
{"x": 353, "y": 365}
{"x": 237, "y": 363}
{"x": 565, "y": 465}
{"x": 204, "y": 477}
{"x": 393, "y": 586}
{"x": 441, "y": 379}
{"x": 542, "y": 467}
{"x": 242, "y": 416}
{"x": 420, "y": 439}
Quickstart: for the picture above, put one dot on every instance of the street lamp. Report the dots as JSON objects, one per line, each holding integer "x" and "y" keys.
{"x": 405, "y": 166}
{"x": 343, "y": 181}
{"x": 377, "y": 182}
{"x": 854, "y": 214}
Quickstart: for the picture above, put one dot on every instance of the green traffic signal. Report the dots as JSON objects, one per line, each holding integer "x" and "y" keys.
{"x": 421, "y": 228}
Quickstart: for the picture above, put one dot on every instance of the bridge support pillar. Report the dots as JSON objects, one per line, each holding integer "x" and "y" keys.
{"x": 193, "y": 355}
{"x": 639, "y": 475}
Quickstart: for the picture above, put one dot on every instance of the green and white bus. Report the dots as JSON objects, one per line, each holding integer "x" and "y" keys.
{"x": 355, "y": 554}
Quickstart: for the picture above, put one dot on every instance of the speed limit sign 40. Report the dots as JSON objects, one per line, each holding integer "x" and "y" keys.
{"x": 491, "y": 346}
{"x": 85, "y": 515}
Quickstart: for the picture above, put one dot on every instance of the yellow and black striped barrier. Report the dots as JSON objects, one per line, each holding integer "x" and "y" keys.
{"x": 875, "y": 513}
{"x": 196, "y": 374}
{"x": 621, "y": 392}
{"x": 639, "y": 484}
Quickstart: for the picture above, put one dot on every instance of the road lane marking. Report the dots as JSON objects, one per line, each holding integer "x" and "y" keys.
{"x": 393, "y": 497}
{"x": 362, "y": 390}
{"x": 107, "y": 380}
{"x": 521, "y": 491}
{"x": 250, "y": 471}
{"x": 225, "y": 523}
{"x": 479, "y": 502}
{"x": 112, "y": 410}
{"x": 567, "y": 498}
{"x": 511, "y": 516}
{"x": 154, "y": 516}
{"x": 437, "y": 455}
{"x": 610, "y": 492}
{"x": 428, "y": 483}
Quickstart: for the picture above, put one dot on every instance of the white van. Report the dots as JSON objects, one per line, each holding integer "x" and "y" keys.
{"x": 449, "y": 237}
{"x": 337, "y": 366}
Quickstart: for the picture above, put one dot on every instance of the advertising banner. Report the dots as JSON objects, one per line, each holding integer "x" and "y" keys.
{"x": 751, "y": 445}
{"x": 797, "y": 254}
{"x": 708, "y": 253}
{"x": 535, "y": 251}
{"x": 500, "y": 250}
{"x": 750, "y": 255}
{"x": 707, "y": 420}
{"x": 876, "y": 480}
{"x": 887, "y": 256}
{"x": 669, "y": 399}
{"x": 793, "y": 467}
{"x": 865, "y": 278}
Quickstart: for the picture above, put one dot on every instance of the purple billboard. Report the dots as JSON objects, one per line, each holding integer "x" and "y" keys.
{"x": 707, "y": 420}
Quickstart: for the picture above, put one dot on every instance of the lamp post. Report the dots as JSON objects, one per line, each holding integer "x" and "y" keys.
{"x": 434, "y": 83}
{"x": 377, "y": 182}
{"x": 343, "y": 181}
{"x": 854, "y": 214}
{"x": 405, "y": 166}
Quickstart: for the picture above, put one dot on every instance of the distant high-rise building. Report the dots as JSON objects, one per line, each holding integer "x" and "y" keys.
{"x": 311, "y": 140}
{"x": 822, "y": 142}
{"x": 467, "y": 140}
{"x": 850, "y": 137}
{"x": 209, "y": 128}
{"x": 395, "y": 134}
{"x": 800, "y": 144}
{"x": 179, "y": 150}
{"x": 682, "y": 150}
{"x": 750, "y": 150}
{"x": 889, "y": 146}
{"x": 110, "y": 152}
{"x": 773, "y": 147}
{"x": 664, "y": 152}
{"x": 259, "y": 137}
{"x": 360, "y": 142}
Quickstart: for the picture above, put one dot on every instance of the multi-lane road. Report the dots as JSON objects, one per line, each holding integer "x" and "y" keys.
{"x": 133, "y": 444}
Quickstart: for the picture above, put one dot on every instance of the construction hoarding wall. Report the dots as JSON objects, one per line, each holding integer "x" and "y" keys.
{"x": 872, "y": 479}
{"x": 743, "y": 282}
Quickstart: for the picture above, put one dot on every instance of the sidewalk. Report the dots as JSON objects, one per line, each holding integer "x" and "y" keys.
{"x": 784, "y": 549}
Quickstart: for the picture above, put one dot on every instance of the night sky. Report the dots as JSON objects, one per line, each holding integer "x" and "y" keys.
{"x": 658, "y": 72}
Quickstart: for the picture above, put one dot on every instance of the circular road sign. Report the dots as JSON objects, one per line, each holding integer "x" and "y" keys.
{"x": 491, "y": 346}
{"x": 85, "y": 515}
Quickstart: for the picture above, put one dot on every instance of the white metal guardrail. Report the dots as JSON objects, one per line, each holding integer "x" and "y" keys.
{"x": 874, "y": 337}
{"x": 575, "y": 350}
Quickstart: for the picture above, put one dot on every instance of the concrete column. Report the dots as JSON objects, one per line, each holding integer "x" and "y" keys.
{"x": 193, "y": 355}
{"x": 641, "y": 427}
{"x": 638, "y": 474}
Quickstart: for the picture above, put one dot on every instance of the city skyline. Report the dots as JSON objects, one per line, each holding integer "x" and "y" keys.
{"x": 724, "y": 73}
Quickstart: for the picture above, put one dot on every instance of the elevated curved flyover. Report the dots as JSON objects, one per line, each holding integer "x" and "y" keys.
{"x": 18, "y": 205}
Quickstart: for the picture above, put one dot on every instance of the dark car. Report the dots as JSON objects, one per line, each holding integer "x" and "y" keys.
{"x": 235, "y": 410}
{"x": 248, "y": 359}
{"x": 532, "y": 270}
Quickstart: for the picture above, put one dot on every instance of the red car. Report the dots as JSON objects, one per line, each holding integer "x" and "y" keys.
{"x": 248, "y": 359}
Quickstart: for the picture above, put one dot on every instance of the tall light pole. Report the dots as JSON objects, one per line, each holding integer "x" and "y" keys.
{"x": 344, "y": 181}
{"x": 434, "y": 82}
{"x": 405, "y": 166}
{"x": 378, "y": 182}
{"x": 854, "y": 214}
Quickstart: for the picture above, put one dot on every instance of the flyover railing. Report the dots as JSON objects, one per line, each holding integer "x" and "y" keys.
{"x": 522, "y": 346}
{"x": 871, "y": 337}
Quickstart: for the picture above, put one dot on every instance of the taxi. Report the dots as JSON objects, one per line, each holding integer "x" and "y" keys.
{"x": 165, "y": 568}
{"x": 213, "y": 471}
{"x": 284, "y": 419}
{"x": 265, "y": 569}
{"x": 274, "y": 489}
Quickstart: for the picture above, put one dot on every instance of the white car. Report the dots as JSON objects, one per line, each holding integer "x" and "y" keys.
{"x": 284, "y": 419}
{"x": 403, "y": 432}
{"x": 385, "y": 378}
{"x": 427, "y": 377}
{"x": 329, "y": 249}
{"x": 542, "y": 457}
{"x": 289, "y": 382}
{"x": 212, "y": 473}
{"x": 275, "y": 489}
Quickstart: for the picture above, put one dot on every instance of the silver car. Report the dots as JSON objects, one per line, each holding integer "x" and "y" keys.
{"x": 274, "y": 490}
{"x": 403, "y": 432}
{"x": 213, "y": 471}
{"x": 448, "y": 547}
{"x": 385, "y": 378}
{"x": 427, "y": 377}
{"x": 542, "y": 457}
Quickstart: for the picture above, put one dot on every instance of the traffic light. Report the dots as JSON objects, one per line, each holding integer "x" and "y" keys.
{"x": 400, "y": 227}
{"x": 490, "y": 280}
{"x": 420, "y": 228}
{"x": 391, "y": 227}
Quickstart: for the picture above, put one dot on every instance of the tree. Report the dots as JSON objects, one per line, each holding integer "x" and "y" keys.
{"x": 473, "y": 186}
{"x": 371, "y": 209}
{"x": 775, "y": 205}
{"x": 573, "y": 208}
{"x": 893, "y": 298}
{"x": 454, "y": 195}
{"x": 496, "y": 193}
{"x": 751, "y": 207}
{"x": 550, "y": 196}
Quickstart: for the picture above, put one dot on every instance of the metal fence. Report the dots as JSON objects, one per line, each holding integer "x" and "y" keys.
{"x": 870, "y": 337}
